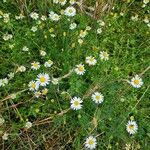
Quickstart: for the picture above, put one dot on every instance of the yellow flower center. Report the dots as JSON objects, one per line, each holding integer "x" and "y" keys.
{"x": 33, "y": 85}
{"x": 50, "y": 62}
{"x": 92, "y": 59}
{"x": 51, "y": 30}
{"x": 70, "y": 10}
{"x": 45, "y": 91}
{"x": 81, "y": 68}
{"x": 81, "y": 31}
{"x": 76, "y": 103}
{"x": 131, "y": 127}
{"x": 55, "y": 17}
{"x": 91, "y": 142}
{"x": 97, "y": 97}
{"x": 42, "y": 79}
{"x": 35, "y": 65}
{"x": 105, "y": 54}
{"x": 136, "y": 81}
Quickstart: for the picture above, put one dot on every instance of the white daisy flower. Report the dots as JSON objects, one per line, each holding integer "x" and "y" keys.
{"x": 44, "y": 91}
{"x": 55, "y": 81}
{"x": 72, "y": 2}
{"x": 83, "y": 33}
{"x": 10, "y": 36}
{"x": 104, "y": 55}
{"x": 35, "y": 65}
{"x": 43, "y": 79}
{"x": 91, "y": 61}
{"x": 136, "y": 81}
{"x": 37, "y": 94}
{"x": 146, "y": 20}
{"x": 128, "y": 146}
{"x": 34, "y": 29}
{"x": 53, "y": 16}
{"x": 17, "y": 17}
{"x": 28, "y": 125}
{"x": 62, "y": 2}
{"x": 13, "y": 96}
{"x": 121, "y": 13}
{"x": 76, "y": 103}
{"x": 70, "y": 11}
{"x": 97, "y": 97}
{"x": 48, "y": 63}
{"x": 80, "y": 41}
{"x": 11, "y": 46}
{"x": 134, "y": 18}
{"x": 99, "y": 31}
{"x": 11, "y": 75}
{"x": 90, "y": 142}
{"x": 21, "y": 16}
{"x": 72, "y": 26}
{"x": 34, "y": 15}
{"x": 21, "y": 69}
{"x": 55, "y": 1}
{"x": 5, "y": 136}
{"x": 42, "y": 53}
{"x": 25, "y": 49}
{"x": 6, "y": 17}
{"x": 33, "y": 85}
{"x": 7, "y": 37}
{"x": 131, "y": 127}
{"x": 80, "y": 70}
{"x": 53, "y": 35}
{"x": 3, "y": 82}
{"x": 145, "y": 1}
{"x": 101, "y": 23}
{"x": 88, "y": 28}
{"x": 43, "y": 18}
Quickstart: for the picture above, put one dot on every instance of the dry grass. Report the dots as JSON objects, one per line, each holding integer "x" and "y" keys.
{"x": 101, "y": 8}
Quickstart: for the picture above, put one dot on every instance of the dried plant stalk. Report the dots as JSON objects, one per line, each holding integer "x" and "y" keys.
{"x": 91, "y": 90}
{"x": 102, "y": 7}
{"x": 21, "y": 5}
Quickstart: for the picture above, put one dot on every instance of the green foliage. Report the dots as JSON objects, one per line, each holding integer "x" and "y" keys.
{"x": 54, "y": 124}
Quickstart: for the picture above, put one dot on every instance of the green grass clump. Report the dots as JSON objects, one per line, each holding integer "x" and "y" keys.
{"x": 122, "y": 37}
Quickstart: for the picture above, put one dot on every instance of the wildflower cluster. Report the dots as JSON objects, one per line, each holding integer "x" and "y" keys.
{"x": 84, "y": 77}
